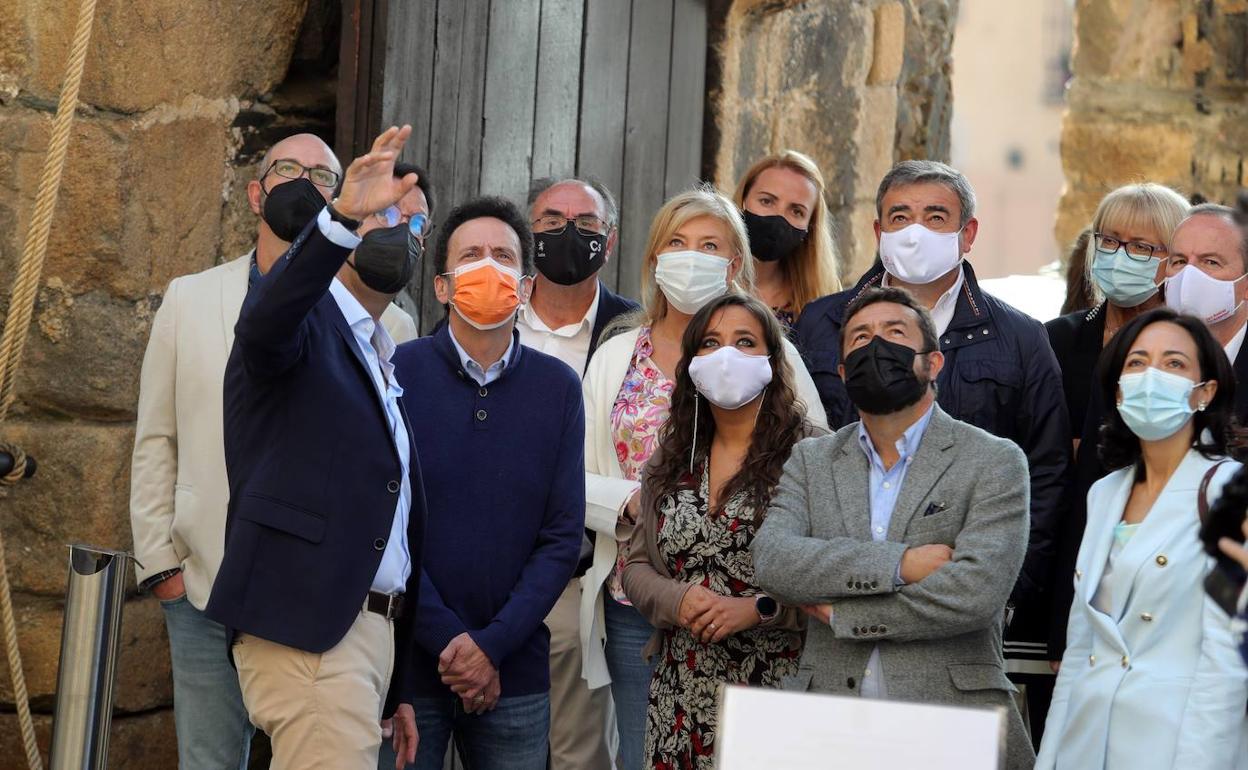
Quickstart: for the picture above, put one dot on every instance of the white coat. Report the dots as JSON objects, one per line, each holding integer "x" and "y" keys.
{"x": 607, "y": 490}
{"x": 178, "y": 486}
{"x": 1157, "y": 683}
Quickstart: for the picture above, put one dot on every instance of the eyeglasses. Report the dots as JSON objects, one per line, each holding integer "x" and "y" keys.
{"x": 293, "y": 169}
{"x": 586, "y": 224}
{"x": 1137, "y": 250}
{"x": 417, "y": 224}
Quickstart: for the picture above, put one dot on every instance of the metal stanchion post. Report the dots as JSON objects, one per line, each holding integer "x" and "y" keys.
{"x": 90, "y": 640}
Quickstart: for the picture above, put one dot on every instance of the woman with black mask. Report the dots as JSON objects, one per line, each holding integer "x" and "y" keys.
{"x": 782, "y": 200}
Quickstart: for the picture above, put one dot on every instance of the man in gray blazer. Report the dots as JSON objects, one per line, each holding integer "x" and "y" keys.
{"x": 902, "y": 534}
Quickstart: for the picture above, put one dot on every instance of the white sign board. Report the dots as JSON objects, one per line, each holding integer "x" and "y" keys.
{"x": 764, "y": 728}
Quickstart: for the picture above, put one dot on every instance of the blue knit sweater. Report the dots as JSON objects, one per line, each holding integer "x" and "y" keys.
{"x": 504, "y": 472}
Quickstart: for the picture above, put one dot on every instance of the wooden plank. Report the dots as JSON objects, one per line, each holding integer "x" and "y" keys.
{"x": 645, "y": 133}
{"x": 558, "y": 88}
{"x": 685, "y": 103}
{"x": 510, "y": 91}
{"x": 604, "y": 93}
{"x": 348, "y": 73}
{"x": 407, "y": 88}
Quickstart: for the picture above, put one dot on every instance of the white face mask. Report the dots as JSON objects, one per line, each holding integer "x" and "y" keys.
{"x": 690, "y": 279}
{"x": 915, "y": 254}
{"x": 1194, "y": 292}
{"x": 729, "y": 378}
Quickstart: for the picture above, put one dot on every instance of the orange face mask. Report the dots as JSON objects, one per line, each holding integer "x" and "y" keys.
{"x": 486, "y": 293}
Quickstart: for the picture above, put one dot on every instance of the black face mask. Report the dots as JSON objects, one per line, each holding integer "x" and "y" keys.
{"x": 772, "y": 238}
{"x": 880, "y": 378}
{"x": 569, "y": 257}
{"x": 289, "y": 207}
{"x": 386, "y": 259}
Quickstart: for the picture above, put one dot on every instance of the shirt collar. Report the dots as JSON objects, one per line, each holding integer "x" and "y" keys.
{"x": 529, "y": 317}
{"x": 907, "y": 445}
{"x": 948, "y": 298}
{"x": 1237, "y": 342}
{"x": 498, "y": 366}
{"x": 360, "y": 321}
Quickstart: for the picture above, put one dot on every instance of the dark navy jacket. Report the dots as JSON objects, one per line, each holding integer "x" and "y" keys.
{"x": 313, "y": 470}
{"x": 504, "y": 471}
{"x": 1000, "y": 375}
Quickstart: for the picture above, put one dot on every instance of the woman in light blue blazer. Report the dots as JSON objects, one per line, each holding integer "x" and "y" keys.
{"x": 1151, "y": 677}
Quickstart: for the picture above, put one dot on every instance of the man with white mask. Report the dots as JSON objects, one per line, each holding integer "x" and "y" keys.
{"x": 1205, "y": 278}
{"x": 999, "y": 375}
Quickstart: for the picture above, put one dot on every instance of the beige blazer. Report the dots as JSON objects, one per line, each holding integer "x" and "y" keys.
{"x": 178, "y": 487}
{"x": 607, "y": 491}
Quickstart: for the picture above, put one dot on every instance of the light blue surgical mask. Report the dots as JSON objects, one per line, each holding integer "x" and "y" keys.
{"x": 1155, "y": 404}
{"x": 1125, "y": 280}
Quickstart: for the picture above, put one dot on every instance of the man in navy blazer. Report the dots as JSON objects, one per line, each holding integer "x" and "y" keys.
{"x": 326, "y": 514}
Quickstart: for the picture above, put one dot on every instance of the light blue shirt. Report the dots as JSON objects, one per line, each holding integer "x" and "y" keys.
{"x": 885, "y": 485}
{"x": 481, "y": 376}
{"x": 377, "y": 347}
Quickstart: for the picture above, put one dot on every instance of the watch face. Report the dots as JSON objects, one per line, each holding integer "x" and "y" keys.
{"x": 766, "y": 606}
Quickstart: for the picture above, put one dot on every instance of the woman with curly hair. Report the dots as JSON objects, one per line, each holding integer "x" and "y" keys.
{"x": 734, "y": 419}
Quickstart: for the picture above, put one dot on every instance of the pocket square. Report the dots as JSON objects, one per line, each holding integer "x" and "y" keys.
{"x": 934, "y": 508}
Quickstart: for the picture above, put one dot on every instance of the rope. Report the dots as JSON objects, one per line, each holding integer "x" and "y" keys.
{"x": 17, "y": 325}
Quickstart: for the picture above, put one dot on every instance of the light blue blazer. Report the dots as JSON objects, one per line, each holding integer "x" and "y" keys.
{"x": 1158, "y": 682}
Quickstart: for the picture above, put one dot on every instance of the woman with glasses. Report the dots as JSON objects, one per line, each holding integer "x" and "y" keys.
{"x": 1151, "y": 677}
{"x": 697, "y": 251}
{"x": 781, "y": 198}
{"x": 1126, "y": 265}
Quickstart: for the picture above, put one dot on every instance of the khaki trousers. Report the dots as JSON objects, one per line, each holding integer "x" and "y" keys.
{"x": 320, "y": 710}
{"x": 579, "y": 716}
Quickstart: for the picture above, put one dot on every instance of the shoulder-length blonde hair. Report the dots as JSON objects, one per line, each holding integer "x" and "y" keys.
{"x": 811, "y": 270}
{"x": 1147, "y": 204}
{"x": 702, "y": 201}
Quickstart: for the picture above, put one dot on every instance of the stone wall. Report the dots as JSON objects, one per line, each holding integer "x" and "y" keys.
{"x": 177, "y": 103}
{"x": 1160, "y": 93}
{"x": 855, "y": 84}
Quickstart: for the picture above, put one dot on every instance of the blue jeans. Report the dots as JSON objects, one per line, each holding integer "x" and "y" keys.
{"x": 214, "y": 732}
{"x": 514, "y": 736}
{"x": 627, "y": 635}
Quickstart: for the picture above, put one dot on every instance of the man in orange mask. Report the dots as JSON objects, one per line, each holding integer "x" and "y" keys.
{"x": 501, "y": 440}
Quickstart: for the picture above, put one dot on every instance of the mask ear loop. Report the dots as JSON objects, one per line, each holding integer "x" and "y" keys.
{"x": 694, "y": 443}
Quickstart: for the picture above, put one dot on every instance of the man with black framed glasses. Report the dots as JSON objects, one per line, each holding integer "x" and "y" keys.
{"x": 575, "y": 231}
{"x": 179, "y": 490}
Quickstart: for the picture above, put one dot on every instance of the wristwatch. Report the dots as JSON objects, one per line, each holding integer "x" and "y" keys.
{"x": 342, "y": 219}
{"x": 766, "y": 607}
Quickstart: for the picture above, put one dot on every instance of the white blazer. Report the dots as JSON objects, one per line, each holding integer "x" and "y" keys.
{"x": 607, "y": 490}
{"x": 178, "y": 486}
{"x": 1158, "y": 683}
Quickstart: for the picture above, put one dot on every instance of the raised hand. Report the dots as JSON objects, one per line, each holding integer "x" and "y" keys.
{"x": 369, "y": 185}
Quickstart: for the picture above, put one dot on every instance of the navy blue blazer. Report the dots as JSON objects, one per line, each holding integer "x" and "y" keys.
{"x": 1000, "y": 375}
{"x": 313, "y": 470}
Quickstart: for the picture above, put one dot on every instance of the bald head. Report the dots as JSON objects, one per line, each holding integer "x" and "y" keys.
{"x": 308, "y": 149}
{"x": 1211, "y": 238}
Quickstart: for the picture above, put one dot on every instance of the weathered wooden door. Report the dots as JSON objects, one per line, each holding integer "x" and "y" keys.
{"x": 500, "y": 92}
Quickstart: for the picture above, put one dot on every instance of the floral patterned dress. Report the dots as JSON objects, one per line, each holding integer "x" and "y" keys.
{"x": 712, "y": 549}
{"x": 639, "y": 413}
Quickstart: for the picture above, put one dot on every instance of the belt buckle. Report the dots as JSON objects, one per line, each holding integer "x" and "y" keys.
{"x": 390, "y": 601}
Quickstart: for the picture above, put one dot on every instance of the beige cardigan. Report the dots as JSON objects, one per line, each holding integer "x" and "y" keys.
{"x": 607, "y": 491}
{"x": 649, "y": 583}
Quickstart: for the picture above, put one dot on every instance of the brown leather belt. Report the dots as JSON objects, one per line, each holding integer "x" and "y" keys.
{"x": 389, "y": 606}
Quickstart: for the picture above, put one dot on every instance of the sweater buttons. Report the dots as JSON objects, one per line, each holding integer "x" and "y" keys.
{"x": 483, "y": 393}
{"x": 392, "y": 487}
{"x": 481, "y": 415}
{"x": 379, "y": 544}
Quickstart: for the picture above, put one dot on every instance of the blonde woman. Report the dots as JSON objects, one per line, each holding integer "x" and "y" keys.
{"x": 781, "y": 198}
{"x": 697, "y": 251}
{"x": 1126, "y": 263}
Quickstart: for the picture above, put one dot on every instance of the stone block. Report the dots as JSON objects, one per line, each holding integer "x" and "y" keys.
{"x": 144, "y": 678}
{"x": 924, "y": 90}
{"x": 889, "y": 45}
{"x": 84, "y": 354}
{"x": 159, "y": 51}
{"x": 136, "y": 742}
{"x": 80, "y": 494}
{"x": 140, "y": 199}
{"x": 1123, "y": 40}
{"x": 1101, "y": 151}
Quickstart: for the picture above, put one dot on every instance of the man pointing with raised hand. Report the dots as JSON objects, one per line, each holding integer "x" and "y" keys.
{"x": 326, "y": 514}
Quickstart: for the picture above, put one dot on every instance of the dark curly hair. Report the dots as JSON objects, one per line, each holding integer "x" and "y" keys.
{"x": 482, "y": 208}
{"x": 1119, "y": 447}
{"x": 781, "y": 421}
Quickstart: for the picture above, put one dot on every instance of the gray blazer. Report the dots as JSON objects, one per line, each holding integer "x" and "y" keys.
{"x": 940, "y": 638}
